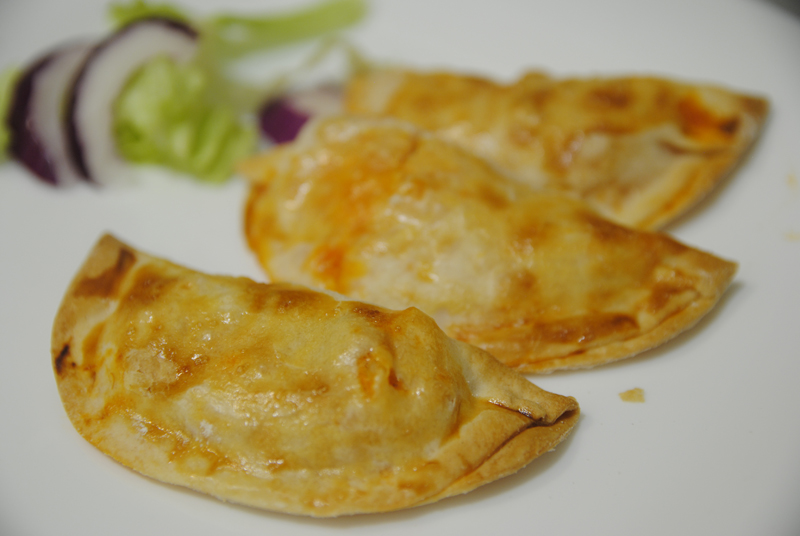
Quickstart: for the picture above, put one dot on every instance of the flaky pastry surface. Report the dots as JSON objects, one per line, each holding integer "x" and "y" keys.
{"x": 383, "y": 212}
{"x": 640, "y": 150}
{"x": 279, "y": 397}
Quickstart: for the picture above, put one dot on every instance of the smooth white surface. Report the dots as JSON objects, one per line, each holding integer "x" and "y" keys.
{"x": 715, "y": 450}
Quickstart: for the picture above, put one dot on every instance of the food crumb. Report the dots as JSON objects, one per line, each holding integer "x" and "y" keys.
{"x": 791, "y": 181}
{"x": 792, "y": 236}
{"x": 632, "y": 395}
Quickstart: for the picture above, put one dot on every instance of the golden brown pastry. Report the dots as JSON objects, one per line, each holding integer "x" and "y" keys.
{"x": 381, "y": 211}
{"x": 640, "y": 150}
{"x": 279, "y": 397}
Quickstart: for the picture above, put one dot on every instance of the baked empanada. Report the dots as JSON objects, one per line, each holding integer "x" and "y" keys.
{"x": 390, "y": 214}
{"x": 640, "y": 150}
{"x": 279, "y": 397}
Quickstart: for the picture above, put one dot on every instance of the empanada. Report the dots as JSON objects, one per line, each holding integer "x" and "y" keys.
{"x": 640, "y": 150}
{"x": 283, "y": 398}
{"x": 383, "y": 212}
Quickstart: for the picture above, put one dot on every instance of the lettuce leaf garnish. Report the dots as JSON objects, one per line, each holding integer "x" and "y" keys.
{"x": 8, "y": 79}
{"x": 166, "y": 116}
{"x": 194, "y": 118}
{"x": 232, "y": 36}
{"x": 124, "y": 14}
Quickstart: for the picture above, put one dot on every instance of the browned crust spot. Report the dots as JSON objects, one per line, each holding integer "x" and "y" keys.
{"x": 60, "y": 361}
{"x": 106, "y": 285}
{"x": 396, "y": 382}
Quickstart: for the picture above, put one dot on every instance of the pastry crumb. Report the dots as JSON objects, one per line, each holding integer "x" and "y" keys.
{"x": 792, "y": 236}
{"x": 632, "y": 395}
{"x": 792, "y": 181}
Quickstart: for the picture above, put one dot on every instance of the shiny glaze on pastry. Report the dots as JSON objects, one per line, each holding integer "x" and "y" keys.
{"x": 283, "y": 398}
{"x": 640, "y": 150}
{"x": 383, "y": 212}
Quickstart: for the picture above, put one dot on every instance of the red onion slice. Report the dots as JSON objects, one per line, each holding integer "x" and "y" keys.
{"x": 103, "y": 77}
{"x": 38, "y": 138}
{"x": 282, "y": 119}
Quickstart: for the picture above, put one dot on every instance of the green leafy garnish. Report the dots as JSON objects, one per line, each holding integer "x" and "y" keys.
{"x": 232, "y": 36}
{"x": 8, "y": 79}
{"x": 124, "y": 14}
{"x": 166, "y": 116}
{"x": 194, "y": 118}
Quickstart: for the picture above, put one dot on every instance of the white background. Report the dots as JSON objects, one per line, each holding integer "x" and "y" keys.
{"x": 714, "y": 450}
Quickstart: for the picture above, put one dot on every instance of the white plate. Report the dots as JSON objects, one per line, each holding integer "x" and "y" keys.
{"x": 715, "y": 449}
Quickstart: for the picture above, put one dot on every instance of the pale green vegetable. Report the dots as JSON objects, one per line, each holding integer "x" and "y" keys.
{"x": 8, "y": 78}
{"x": 124, "y": 14}
{"x": 193, "y": 118}
{"x": 232, "y": 36}
{"x": 228, "y": 36}
{"x": 166, "y": 116}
